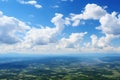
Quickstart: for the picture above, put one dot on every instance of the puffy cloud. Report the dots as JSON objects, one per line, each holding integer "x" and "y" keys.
{"x": 67, "y": 21}
{"x": 43, "y": 36}
{"x": 94, "y": 40}
{"x": 102, "y": 41}
{"x": 58, "y": 21}
{"x": 91, "y": 11}
{"x": 72, "y": 42}
{"x": 26, "y": 39}
{"x": 31, "y": 2}
{"x": 76, "y": 23}
{"x": 110, "y": 24}
{"x": 11, "y": 29}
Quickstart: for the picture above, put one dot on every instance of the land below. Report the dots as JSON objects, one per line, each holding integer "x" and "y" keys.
{"x": 78, "y": 67}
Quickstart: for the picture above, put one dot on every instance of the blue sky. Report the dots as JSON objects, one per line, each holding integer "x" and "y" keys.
{"x": 59, "y": 26}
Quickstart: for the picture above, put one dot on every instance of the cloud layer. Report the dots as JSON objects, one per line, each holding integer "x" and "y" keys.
{"x": 17, "y": 36}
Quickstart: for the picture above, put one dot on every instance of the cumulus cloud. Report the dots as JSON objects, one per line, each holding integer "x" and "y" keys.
{"x": 91, "y": 11}
{"x": 72, "y": 42}
{"x": 58, "y": 21}
{"x": 42, "y": 39}
{"x": 101, "y": 42}
{"x": 110, "y": 24}
{"x": 41, "y": 36}
{"x": 27, "y": 39}
{"x": 46, "y": 35}
{"x": 31, "y": 2}
{"x": 11, "y": 29}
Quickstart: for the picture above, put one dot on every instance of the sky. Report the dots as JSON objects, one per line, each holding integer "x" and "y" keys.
{"x": 59, "y": 26}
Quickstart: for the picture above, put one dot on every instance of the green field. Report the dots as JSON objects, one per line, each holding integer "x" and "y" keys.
{"x": 61, "y": 68}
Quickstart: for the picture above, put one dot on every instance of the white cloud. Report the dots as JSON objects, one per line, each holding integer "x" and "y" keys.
{"x": 26, "y": 39}
{"x": 67, "y": 21}
{"x": 76, "y": 23}
{"x": 46, "y": 35}
{"x": 41, "y": 36}
{"x": 91, "y": 11}
{"x": 110, "y": 24}
{"x": 11, "y": 29}
{"x": 94, "y": 40}
{"x": 31, "y": 2}
{"x": 47, "y": 39}
{"x": 101, "y": 42}
{"x": 72, "y": 42}
{"x": 55, "y": 6}
{"x": 58, "y": 21}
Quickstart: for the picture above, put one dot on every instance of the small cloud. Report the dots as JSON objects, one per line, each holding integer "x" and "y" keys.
{"x": 76, "y": 23}
{"x": 105, "y": 7}
{"x": 55, "y": 6}
{"x": 30, "y": 2}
